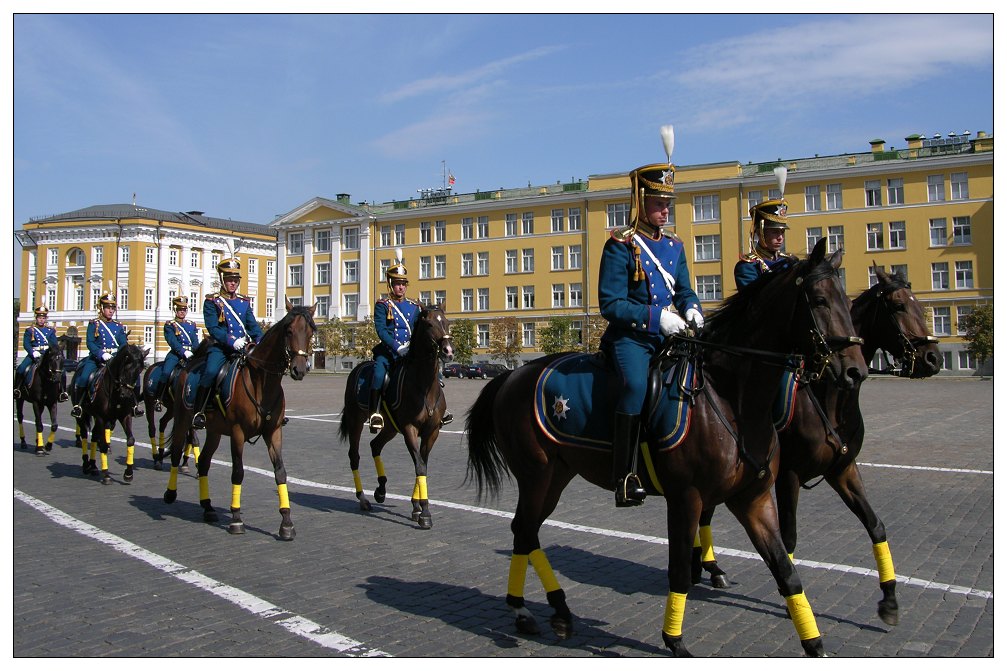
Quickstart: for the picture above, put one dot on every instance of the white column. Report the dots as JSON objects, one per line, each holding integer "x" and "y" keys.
{"x": 309, "y": 270}
{"x": 281, "y": 271}
{"x": 364, "y": 277}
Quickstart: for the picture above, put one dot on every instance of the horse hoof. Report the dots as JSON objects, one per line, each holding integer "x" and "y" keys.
{"x": 813, "y": 647}
{"x": 287, "y": 533}
{"x": 425, "y": 522}
{"x": 365, "y": 505}
{"x": 415, "y": 517}
{"x": 527, "y": 625}
{"x": 106, "y": 479}
{"x": 379, "y": 495}
{"x": 170, "y": 495}
{"x": 158, "y": 466}
{"x": 888, "y": 614}
{"x": 235, "y": 528}
{"x": 127, "y": 475}
{"x": 562, "y": 626}
{"x": 210, "y": 516}
{"x": 183, "y": 469}
{"x": 40, "y": 452}
{"x": 719, "y": 581}
{"x": 48, "y": 448}
{"x": 676, "y": 646}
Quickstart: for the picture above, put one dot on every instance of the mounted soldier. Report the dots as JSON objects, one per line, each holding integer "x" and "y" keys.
{"x": 37, "y": 339}
{"x": 105, "y": 336}
{"x": 182, "y": 337}
{"x": 766, "y": 241}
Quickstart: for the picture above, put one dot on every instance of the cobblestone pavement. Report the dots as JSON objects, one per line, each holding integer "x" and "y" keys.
{"x": 112, "y": 571}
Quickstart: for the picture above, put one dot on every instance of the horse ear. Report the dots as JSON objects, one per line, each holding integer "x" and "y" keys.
{"x": 837, "y": 258}
{"x": 313, "y": 308}
{"x": 290, "y": 306}
{"x": 880, "y": 273}
{"x": 818, "y": 253}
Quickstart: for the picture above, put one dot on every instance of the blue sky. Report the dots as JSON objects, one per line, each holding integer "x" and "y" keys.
{"x": 248, "y": 116}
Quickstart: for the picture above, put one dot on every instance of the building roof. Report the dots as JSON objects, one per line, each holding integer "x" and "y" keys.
{"x": 130, "y": 211}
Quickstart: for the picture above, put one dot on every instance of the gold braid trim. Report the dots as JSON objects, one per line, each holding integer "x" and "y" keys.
{"x": 638, "y": 276}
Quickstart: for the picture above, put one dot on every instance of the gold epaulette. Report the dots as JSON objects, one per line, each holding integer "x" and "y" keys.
{"x": 211, "y": 297}
{"x": 671, "y": 234}
{"x": 751, "y": 256}
{"x": 624, "y": 234}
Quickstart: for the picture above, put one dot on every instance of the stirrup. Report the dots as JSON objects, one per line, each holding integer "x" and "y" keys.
{"x": 629, "y": 492}
{"x": 76, "y": 411}
{"x": 447, "y": 418}
{"x": 199, "y": 420}
{"x": 138, "y": 410}
{"x": 376, "y": 422}
{"x": 17, "y": 392}
{"x": 157, "y": 406}
{"x": 63, "y": 397}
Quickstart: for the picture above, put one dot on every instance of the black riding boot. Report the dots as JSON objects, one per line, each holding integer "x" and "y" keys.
{"x": 17, "y": 386}
{"x": 199, "y": 419}
{"x": 375, "y": 420}
{"x": 626, "y": 436}
{"x": 76, "y": 411}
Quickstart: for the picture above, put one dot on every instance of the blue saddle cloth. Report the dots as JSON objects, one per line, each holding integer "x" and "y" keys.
{"x": 223, "y": 390}
{"x": 573, "y": 404}
{"x": 391, "y": 397}
{"x": 783, "y": 404}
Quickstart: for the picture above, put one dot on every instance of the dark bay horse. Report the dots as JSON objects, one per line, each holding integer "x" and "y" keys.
{"x": 256, "y": 409}
{"x": 826, "y": 433}
{"x": 413, "y": 405}
{"x": 157, "y": 434}
{"x": 115, "y": 396}
{"x": 729, "y": 453}
{"x": 43, "y": 394}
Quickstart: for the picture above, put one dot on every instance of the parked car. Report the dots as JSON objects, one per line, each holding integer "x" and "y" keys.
{"x": 485, "y": 370}
{"x": 455, "y": 370}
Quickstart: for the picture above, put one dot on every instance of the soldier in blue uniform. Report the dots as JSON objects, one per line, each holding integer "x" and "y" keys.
{"x": 769, "y": 221}
{"x": 105, "y": 336}
{"x": 644, "y": 291}
{"x": 229, "y": 319}
{"x": 37, "y": 339}
{"x": 182, "y": 337}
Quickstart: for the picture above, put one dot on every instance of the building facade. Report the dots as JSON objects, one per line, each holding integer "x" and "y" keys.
{"x": 147, "y": 257}
{"x": 925, "y": 210}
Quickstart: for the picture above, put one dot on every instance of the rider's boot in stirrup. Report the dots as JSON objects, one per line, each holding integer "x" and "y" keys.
{"x": 199, "y": 419}
{"x": 447, "y": 418}
{"x": 628, "y": 489}
{"x": 376, "y": 421}
{"x": 76, "y": 411}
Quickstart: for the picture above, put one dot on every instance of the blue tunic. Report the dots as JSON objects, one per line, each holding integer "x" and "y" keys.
{"x": 181, "y": 336}
{"x": 103, "y": 337}
{"x": 633, "y": 307}
{"x": 36, "y": 338}
{"x": 226, "y": 319}
{"x": 751, "y": 266}
{"x": 394, "y": 321}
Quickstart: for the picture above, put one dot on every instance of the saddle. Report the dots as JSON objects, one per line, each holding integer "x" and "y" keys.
{"x": 222, "y": 389}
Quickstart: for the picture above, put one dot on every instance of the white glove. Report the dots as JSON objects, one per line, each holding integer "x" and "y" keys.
{"x": 239, "y": 343}
{"x": 36, "y": 353}
{"x": 671, "y": 323}
{"x": 403, "y": 349}
{"x": 694, "y": 317}
{"x": 105, "y": 356}
{"x": 187, "y": 353}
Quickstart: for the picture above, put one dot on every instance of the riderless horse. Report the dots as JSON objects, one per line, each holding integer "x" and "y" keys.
{"x": 46, "y": 383}
{"x": 153, "y": 404}
{"x": 826, "y": 433}
{"x": 255, "y": 408}
{"x": 413, "y": 404}
{"x": 721, "y": 448}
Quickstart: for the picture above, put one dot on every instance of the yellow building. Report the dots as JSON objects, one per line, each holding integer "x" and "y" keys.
{"x": 532, "y": 253}
{"x": 148, "y": 257}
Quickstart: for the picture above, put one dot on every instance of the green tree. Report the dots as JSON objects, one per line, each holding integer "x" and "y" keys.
{"x": 594, "y": 327}
{"x": 505, "y": 340}
{"x": 558, "y": 336}
{"x": 463, "y": 340}
{"x": 334, "y": 337}
{"x": 363, "y": 339}
{"x": 979, "y": 333}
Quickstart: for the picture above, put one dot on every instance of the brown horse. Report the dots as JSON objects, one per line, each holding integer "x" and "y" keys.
{"x": 413, "y": 405}
{"x": 43, "y": 394}
{"x": 826, "y": 433}
{"x": 729, "y": 453}
{"x": 157, "y": 434}
{"x": 256, "y": 408}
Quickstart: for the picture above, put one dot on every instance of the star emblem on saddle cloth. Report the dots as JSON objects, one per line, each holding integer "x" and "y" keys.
{"x": 559, "y": 407}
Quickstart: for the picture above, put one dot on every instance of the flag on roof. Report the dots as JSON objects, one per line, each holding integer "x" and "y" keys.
{"x": 451, "y": 179}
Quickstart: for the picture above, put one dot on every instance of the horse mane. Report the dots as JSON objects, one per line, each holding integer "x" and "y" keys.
{"x": 294, "y": 312}
{"x": 893, "y": 283}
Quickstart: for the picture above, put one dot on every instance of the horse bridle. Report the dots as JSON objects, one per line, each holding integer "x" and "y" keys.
{"x": 909, "y": 345}
{"x": 825, "y": 347}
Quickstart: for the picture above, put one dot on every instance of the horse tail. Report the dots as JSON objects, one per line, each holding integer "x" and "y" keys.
{"x": 486, "y": 463}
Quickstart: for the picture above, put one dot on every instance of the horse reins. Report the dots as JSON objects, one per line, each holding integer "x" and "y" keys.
{"x": 909, "y": 345}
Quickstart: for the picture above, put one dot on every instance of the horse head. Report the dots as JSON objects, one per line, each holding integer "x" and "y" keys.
{"x": 890, "y": 318}
{"x": 432, "y": 334}
{"x": 126, "y": 368}
{"x": 51, "y": 364}
{"x": 298, "y": 330}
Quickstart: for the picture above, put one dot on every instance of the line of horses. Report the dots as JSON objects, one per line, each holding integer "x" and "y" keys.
{"x": 731, "y": 453}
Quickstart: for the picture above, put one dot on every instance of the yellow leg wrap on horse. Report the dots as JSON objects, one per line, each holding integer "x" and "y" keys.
{"x": 21, "y": 430}
{"x": 541, "y": 565}
{"x": 883, "y": 556}
{"x": 173, "y": 479}
{"x": 236, "y": 496}
{"x": 416, "y": 490}
{"x": 706, "y": 542}
{"x": 94, "y": 449}
{"x": 695, "y": 542}
{"x": 160, "y": 441}
{"x": 108, "y": 436}
{"x": 204, "y": 487}
{"x": 791, "y": 555}
{"x": 674, "y": 614}
{"x": 195, "y": 452}
{"x": 379, "y": 466}
{"x": 357, "y": 484}
{"x": 52, "y": 436}
{"x": 281, "y": 490}
{"x": 421, "y": 481}
{"x": 104, "y": 461}
{"x": 83, "y": 448}
{"x": 129, "y": 455}
{"x": 515, "y": 579}
{"x": 38, "y": 438}
{"x": 802, "y": 617}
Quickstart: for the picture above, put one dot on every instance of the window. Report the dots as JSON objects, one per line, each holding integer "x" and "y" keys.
{"x": 50, "y": 295}
{"x": 942, "y": 321}
{"x": 148, "y": 257}
{"x": 173, "y": 257}
{"x": 963, "y": 312}
{"x": 708, "y": 287}
{"x": 194, "y": 259}
{"x": 483, "y": 299}
{"x": 558, "y": 295}
{"x": 754, "y": 198}
{"x": 386, "y": 236}
{"x": 466, "y": 300}
{"x": 834, "y": 196}
{"x": 350, "y": 303}
{"x": 424, "y": 267}
{"x": 95, "y": 292}
{"x": 483, "y": 227}
{"x": 961, "y": 231}
{"x": 872, "y": 277}
{"x": 148, "y": 299}
{"x": 557, "y": 220}
{"x": 528, "y": 297}
{"x": 959, "y": 186}
{"x": 148, "y": 335}
{"x": 707, "y": 247}
{"x": 528, "y": 334}
{"x": 482, "y": 335}
{"x": 322, "y": 312}
{"x": 618, "y": 215}
{"x": 383, "y": 266}
{"x": 510, "y": 261}
{"x": 400, "y": 234}
{"x": 76, "y": 257}
{"x": 123, "y": 297}
{"x": 841, "y": 272}
{"x": 193, "y": 296}
{"x": 896, "y": 191}
{"x": 835, "y": 238}
{"x": 814, "y": 234}
{"x": 510, "y": 225}
{"x": 79, "y": 297}
{"x": 511, "y": 295}
{"x": 705, "y": 208}
{"x": 270, "y": 268}
{"x": 215, "y": 259}
{"x": 935, "y": 188}
{"x": 296, "y": 275}
{"x": 939, "y": 275}
{"x": 573, "y": 219}
{"x": 53, "y": 256}
{"x": 425, "y": 298}
{"x": 963, "y": 275}
{"x": 482, "y": 263}
{"x": 252, "y": 266}
{"x": 938, "y": 232}
{"x": 98, "y": 255}
{"x": 875, "y": 237}
{"x": 124, "y": 255}
{"x": 424, "y": 232}
{"x": 467, "y": 264}
{"x": 269, "y": 308}
{"x": 872, "y": 193}
{"x": 577, "y": 327}
{"x": 466, "y": 228}
{"x": 323, "y": 241}
{"x": 528, "y": 223}
{"x": 440, "y": 265}
{"x": 902, "y": 269}
{"x": 295, "y": 243}
{"x": 576, "y": 295}
{"x": 558, "y": 256}
{"x": 813, "y": 198}
{"x": 440, "y": 298}
{"x": 351, "y": 237}
{"x": 323, "y": 273}
{"x": 897, "y": 234}
{"x": 966, "y": 360}
{"x": 527, "y": 260}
